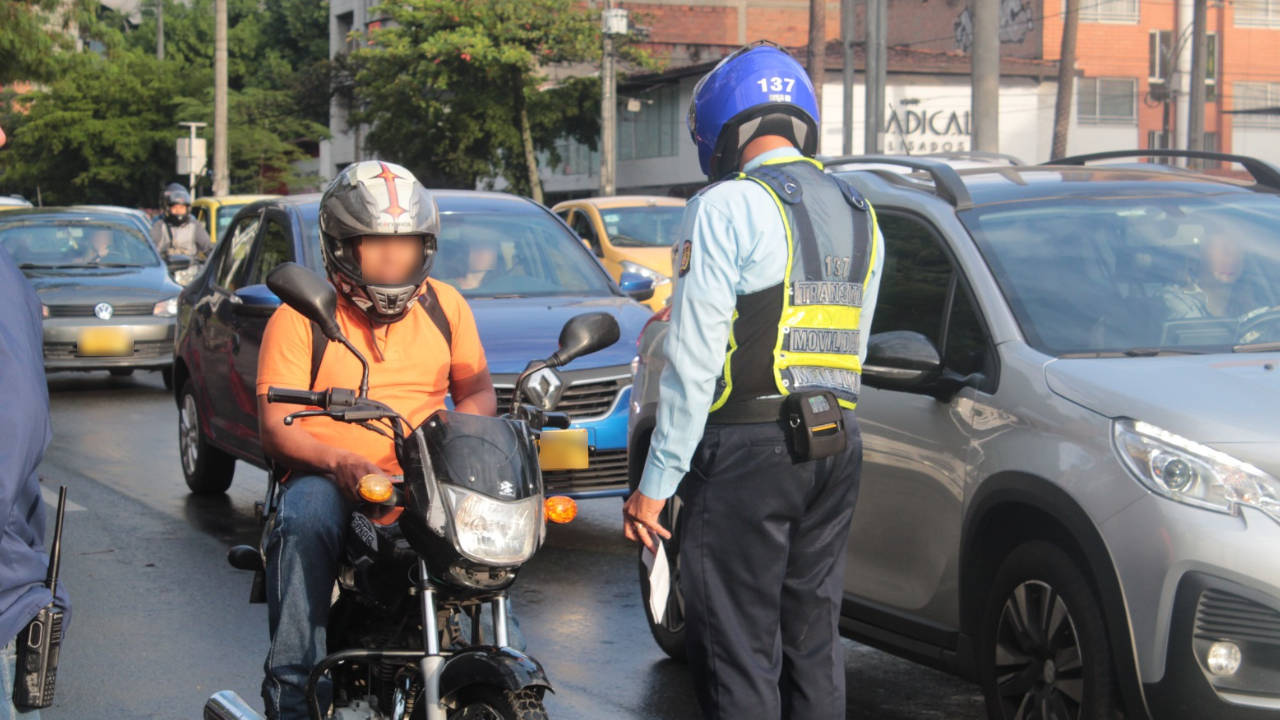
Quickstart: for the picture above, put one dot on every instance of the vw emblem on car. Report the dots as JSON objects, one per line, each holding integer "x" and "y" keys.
{"x": 545, "y": 388}
{"x": 104, "y": 311}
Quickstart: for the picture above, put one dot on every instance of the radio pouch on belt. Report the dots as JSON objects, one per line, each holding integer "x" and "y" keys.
{"x": 814, "y": 425}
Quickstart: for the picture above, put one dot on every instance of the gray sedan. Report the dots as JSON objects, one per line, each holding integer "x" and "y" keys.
{"x": 109, "y": 303}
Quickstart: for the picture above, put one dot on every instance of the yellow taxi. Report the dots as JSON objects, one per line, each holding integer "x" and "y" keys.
{"x": 630, "y": 234}
{"x": 216, "y": 212}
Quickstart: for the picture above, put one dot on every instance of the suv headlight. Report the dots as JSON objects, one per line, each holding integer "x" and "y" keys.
{"x": 492, "y": 532}
{"x": 657, "y": 277}
{"x": 1191, "y": 473}
{"x": 166, "y": 308}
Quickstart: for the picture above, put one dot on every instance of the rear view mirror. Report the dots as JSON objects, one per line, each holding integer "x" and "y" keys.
{"x": 308, "y": 293}
{"x": 583, "y": 335}
{"x": 178, "y": 262}
{"x": 900, "y": 360}
{"x": 639, "y": 287}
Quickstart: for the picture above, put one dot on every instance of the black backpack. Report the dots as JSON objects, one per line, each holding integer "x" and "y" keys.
{"x": 429, "y": 302}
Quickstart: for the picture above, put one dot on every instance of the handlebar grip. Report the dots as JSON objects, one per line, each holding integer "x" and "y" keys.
{"x": 295, "y": 397}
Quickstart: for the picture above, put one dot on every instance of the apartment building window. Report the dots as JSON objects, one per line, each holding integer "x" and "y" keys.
{"x": 649, "y": 124}
{"x": 1107, "y": 100}
{"x": 1257, "y": 13}
{"x": 1162, "y": 59}
{"x": 1108, "y": 11}
{"x": 1255, "y": 96}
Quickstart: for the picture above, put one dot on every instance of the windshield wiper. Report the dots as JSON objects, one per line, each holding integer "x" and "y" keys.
{"x": 1257, "y": 347}
{"x": 115, "y": 265}
{"x": 1132, "y": 352}
{"x": 39, "y": 266}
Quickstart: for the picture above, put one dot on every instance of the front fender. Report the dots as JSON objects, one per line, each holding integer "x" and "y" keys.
{"x": 499, "y": 667}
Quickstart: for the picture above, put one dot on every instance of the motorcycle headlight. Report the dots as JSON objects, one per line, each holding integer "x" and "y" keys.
{"x": 492, "y": 532}
{"x": 166, "y": 308}
{"x": 657, "y": 277}
{"x": 1191, "y": 473}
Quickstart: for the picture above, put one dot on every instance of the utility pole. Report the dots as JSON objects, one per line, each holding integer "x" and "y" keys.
{"x": 1066, "y": 80}
{"x": 221, "y": 176}
{"x": 847, "y": 34}
{"x": 985, "y": 110}
{"x": 1199, "y": 63}
{"x": 613, "y": 22}
{"x": 876, "y": 74}
{"x": 816, "y": 61}
{"x": 159, "y": 29}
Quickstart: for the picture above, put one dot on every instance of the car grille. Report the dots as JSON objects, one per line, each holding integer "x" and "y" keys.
{"x": 1223, "y": 615}
{"x": 607, "y": 471}
{"x": 587, "y": 399}
{"x": 143, "y": 350}
{"x": 87, "y": 310}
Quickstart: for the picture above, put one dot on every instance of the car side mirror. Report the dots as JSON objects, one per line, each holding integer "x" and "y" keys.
{"x": 256, "y": 300}
{"x": 583, "y": 335}
{"x": 177, "y": 263}
{"x": 639, "y": 287}
{"x": 309, "y": 294}
{"x": 901, "y": 360}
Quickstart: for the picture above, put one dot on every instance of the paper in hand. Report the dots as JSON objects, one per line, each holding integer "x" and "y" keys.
{"x": 659, "y": 580}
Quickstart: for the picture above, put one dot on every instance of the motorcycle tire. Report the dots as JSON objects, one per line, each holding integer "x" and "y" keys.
{"x": 485, "y": 702}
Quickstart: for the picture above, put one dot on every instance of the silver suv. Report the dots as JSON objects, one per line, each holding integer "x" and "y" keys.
{"x": 1071, "y": 416}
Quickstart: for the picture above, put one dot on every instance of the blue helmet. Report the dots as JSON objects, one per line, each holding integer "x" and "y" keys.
{"x": 758, "y": 90}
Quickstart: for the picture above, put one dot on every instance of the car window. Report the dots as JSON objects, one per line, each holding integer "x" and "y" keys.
{"x": 582, "y": 225}
{"x": 650, "y": 226}
{"x": 275, "y": 246}
{"x": 231, "y": 268}
{"x": 564, "y": 214}
{"x": 1118, "y": 274}
{"x": 921, "y": 290}
{"x": 503, "y": 254}
{"x": 76, "y": 244}
{"x": 226, "y": 214}
{"x": 917, "y": 276}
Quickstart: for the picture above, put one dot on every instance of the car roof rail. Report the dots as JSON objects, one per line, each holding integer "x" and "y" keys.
{"x": 1265, "y": 175}
{"x": 946, "y": 180}
{"x": 976, "y": 155}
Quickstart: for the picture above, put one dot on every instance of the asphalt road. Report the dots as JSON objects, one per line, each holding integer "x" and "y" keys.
{"x": 161, "y": 621}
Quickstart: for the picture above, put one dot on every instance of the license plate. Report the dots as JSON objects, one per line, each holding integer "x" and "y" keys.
{"x": 105, "y": 342}
{"x": 563, "y": 449}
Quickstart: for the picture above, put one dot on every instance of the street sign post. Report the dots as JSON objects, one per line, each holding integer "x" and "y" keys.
{"x": 192, "y": 154}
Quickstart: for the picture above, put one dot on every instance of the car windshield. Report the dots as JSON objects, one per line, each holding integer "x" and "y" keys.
{"x": 503, "y": 255}
{"x": 1138, "y": 276}
{"x": 226, "y": 213}
{"x": 652, "y": 226}
{"x": 76, "y": 245}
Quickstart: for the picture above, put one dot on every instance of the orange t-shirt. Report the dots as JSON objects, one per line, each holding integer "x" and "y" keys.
{"x": 410, "y": 368}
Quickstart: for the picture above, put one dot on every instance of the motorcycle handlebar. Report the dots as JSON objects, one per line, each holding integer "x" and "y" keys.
{"x": 295, "y": 397}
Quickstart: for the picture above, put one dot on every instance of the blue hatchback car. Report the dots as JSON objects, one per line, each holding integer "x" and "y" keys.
{"x": 522, "y": 270}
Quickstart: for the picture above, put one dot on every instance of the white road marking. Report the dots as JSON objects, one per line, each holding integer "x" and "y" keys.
{"x": 51, "y": 496}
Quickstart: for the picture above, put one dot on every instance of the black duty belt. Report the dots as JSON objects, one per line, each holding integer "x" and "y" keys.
{"x": 745, "y": 412}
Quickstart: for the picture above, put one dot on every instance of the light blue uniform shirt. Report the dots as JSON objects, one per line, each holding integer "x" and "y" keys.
{"x": 739, "y": 247}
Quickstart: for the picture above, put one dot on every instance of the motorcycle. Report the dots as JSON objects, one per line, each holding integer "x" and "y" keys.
{"x": 438, "y": 548}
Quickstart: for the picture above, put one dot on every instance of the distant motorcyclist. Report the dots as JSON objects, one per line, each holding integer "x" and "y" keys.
{"x": 176, "y": 232}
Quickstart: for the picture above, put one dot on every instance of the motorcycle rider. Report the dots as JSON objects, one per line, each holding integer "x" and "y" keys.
{"x": 176, "y": 232}
{"x": 378, "y": 227}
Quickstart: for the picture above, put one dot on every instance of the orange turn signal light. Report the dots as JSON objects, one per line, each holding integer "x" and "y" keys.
{"x": 375, "y": 488}
{"x": 561, "y": 509}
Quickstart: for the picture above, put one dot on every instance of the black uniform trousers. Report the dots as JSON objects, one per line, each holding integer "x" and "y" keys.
{"x": 762, "y": 554}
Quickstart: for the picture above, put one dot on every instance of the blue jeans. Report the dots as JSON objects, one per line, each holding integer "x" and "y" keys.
{"x": 8, "y": 668}
{"x": 303, "y": 550}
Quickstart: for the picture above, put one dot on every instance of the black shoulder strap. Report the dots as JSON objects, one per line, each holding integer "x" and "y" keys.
{"x": 787, "y": 188}
{"x": 318, "y": 345}
{"x": 429, "y": 302}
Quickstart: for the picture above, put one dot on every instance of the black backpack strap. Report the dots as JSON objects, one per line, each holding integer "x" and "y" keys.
{"x": 431, "y": 303}
{"x": 318, "y": 345}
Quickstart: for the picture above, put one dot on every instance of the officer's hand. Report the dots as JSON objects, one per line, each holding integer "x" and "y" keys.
{"x": 640, "y": 520}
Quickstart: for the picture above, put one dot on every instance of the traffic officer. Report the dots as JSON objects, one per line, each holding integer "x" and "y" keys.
{"x": 778, "y": 269}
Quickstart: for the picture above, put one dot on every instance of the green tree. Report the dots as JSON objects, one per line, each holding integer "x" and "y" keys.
{"x": 456, "y": 88}
{"x": 30, "y": 32}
